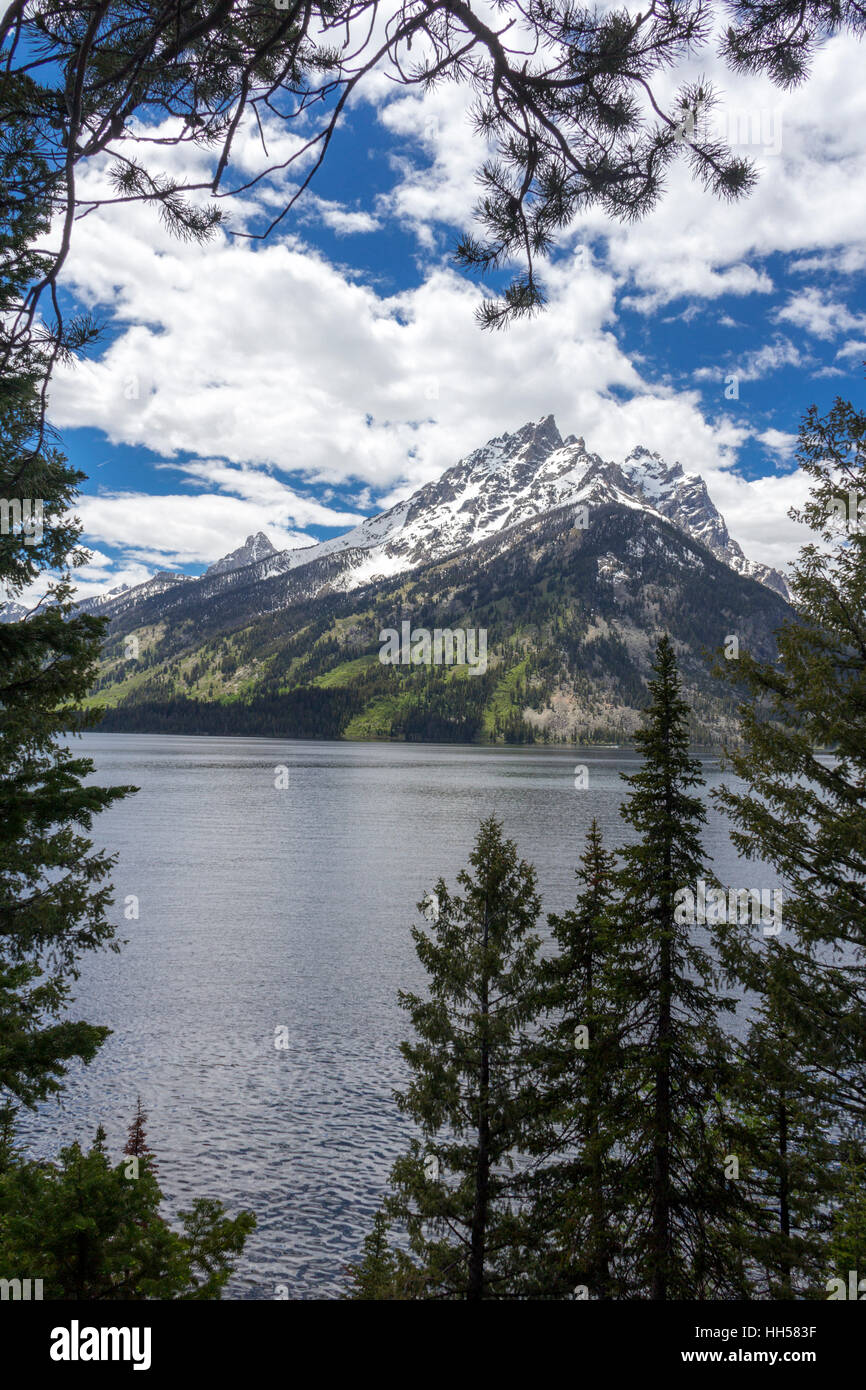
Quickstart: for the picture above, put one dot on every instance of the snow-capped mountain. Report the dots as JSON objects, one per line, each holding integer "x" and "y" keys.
{"x": 125, "y": 596}
{"x": 515, "y": 477}
{"x": 571, "y": 614}
{"x": 684, "y": 500}
{"x": 13, "y": 612}
{"x": 509, "y": 480}
{"x": 569, "y": 563}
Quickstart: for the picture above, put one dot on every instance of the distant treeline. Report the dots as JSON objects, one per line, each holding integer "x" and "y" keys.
{"x": 300, "y": 713}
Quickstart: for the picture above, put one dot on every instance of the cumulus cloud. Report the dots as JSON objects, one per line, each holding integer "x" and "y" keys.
{"x": 345, "y": 221}
{"x": 284, "y": 373}
{"x": 173, "y": 529}
{"x": 755, "y": 363}
{"x": 807, "y": 144}
{"x": 779, "y": 442}
{"x": 820, "y": 315}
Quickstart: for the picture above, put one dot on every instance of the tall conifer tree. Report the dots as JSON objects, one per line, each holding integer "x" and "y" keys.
{"x": 676, "y": 1057}
{"x": 781, "y": 1135}
{"x": 576, "y": 1186}
{"x": 456, "y": 1191}
{"x": 803, "y": 809}
{"x": 54, "y": 895}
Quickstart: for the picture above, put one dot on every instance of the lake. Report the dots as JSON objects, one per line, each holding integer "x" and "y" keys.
{"x": 265, "y": 907}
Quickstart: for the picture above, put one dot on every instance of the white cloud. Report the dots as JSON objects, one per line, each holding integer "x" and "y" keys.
{"x": 808, "y": 145}
{"x": 848, "y": 261}
{"x": 345, "y": 221}
{"x": 757, "y": 513}
{"x": 778, "y": 442}
{"x": 276, "y": 370}
{"x": 98, "y": 578}
{"x": 820, "y": 315}
{"x": 175, "y": 528}
{"x": 756, "y": 363}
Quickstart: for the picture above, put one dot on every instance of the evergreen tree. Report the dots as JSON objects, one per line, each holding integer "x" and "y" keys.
{"x": 87, "y": 1229}
{"x": 136, "y": 1144}
{"x": 575, "y": 1210}
{"x": 847, "y": 1249}
{"x": 456, "y": 1190}
{"x": 802, "y": 809}
{"x": 383, "y": 1273}
{"x": 675, "y": 1055}
{"x": 94, "y": 1231}
{"x": 53, "y": 892}
{"x": 781, "y": 1139}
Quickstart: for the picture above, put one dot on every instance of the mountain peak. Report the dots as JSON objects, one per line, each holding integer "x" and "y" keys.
{"x": 543, "y": 433}
{"x": 254, "y": 548}
{"x": 648, "y": 471}
{"x": 515, "y": 477}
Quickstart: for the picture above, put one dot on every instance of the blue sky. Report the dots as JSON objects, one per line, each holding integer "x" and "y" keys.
{"x": 297, "y": 384}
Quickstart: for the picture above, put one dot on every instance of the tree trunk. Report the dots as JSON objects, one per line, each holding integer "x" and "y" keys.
{"x": 482, "y": 1167}
{"x": 784, "y": 1207}
{"x": 599, "y": 1265}
{"x": 662, "y": 1134}
{"x": 661, "y": 1137}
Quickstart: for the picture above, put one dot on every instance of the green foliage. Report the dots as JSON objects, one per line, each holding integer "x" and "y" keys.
{"x": 640, "y": 1150}
{"x": 803, "y": 812}
{"x": 455, "y": 1191}
{"x": 54, "y": 897}
{"x": 383, "y": 1274}
{"x": 780, "y": 38}
{"x": 86, "y": 1229}
{"x": 93, "y": 1230}
{"x": 53, "y": 893}
{"x": 847, "y": 1249}
{"x": 576, "y": 1213}
{"x": 675, "y": 1055}
{"x": 783, "y": 1138}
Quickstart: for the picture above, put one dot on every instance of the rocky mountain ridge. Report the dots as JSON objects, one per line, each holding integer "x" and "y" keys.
{"x": 507, "y": 481}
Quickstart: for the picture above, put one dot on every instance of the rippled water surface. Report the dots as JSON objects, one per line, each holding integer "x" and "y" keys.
{"x": 263, "y": 908}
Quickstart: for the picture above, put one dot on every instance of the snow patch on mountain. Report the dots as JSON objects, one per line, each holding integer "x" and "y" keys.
{"x": 510, "y": 479}
{"x": 515, "y": 477}
{"x": 119, "y": 599}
